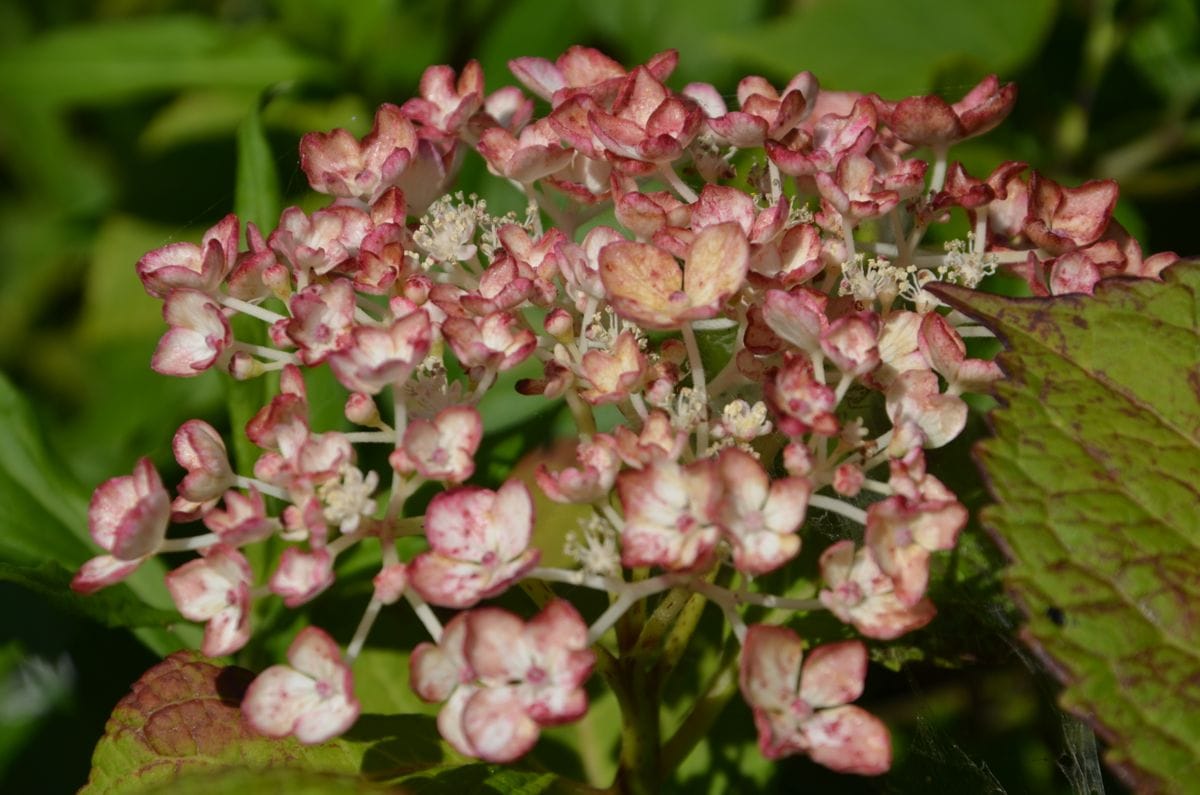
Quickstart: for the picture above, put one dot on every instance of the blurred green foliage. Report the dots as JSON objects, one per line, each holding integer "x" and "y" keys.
{"x": 123, "y": 126}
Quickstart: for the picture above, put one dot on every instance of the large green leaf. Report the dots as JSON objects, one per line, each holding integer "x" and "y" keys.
{"x": 43, "y": 532}
{"x": 893, "y": 48}
{"x": 182, "y": 719}
{"x": 1095, "y": 469}
{"x": 112, "y": 61}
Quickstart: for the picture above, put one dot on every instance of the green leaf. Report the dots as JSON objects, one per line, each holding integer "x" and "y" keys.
{"x": 893, "y": 48}
{"x": 183, "y": 717}
{"x": 1095, "y": 469}
{"x": 43, "y": 517}
{"x": 116, "y": 60}
{"x": 237, "y": 781}
{"x": 182, "y": 723}
{"x": 115, "y": 606}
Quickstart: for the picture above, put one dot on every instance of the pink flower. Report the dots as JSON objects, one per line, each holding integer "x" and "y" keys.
{"x": 805, "y": 708}
{"x": 378, "y": 357}
{"x": 765, "y": 113}
{"x": 612, "y": 376}
{"x": 215, "y": 589}
{"x": 496, "y": 342}
{"x": 339, "y": 165}
{"x": 534, "y": 154}
{"x": 946, "y": 353}
{"x": 647, "y": 124}
{"x": 658, "y": 440}
{"x": 479, "y": 542}
{"x": 443, "y": 449}
{"x": 198, "y": 337}
{"x": 201, "y": 451}
{"x": 243, "y": 521}
{"x": 197, "y": 267}
{"x": 1062, "y": 219}
{"x": 302, "y": 576}
{"x": 760, "y": 518}
{"x": 128, "y": 518}
{"x": 931, "y": 121}
{"x": 856, "y": 188}
{"x": 312, "y": 699}
{"x": 319, "y": 243}
{"x": 646, "y": 285}
{"x": 322, "y": 320}
{"x": 589, "y": 482}
{"x": 504, "y": 679}
{"x": 914, "y": 397}
{"x": 582, "y": 70}
{"x": 902, "y": 533}
{"x": 447, "y": 104}
{"x": 833, "y": 138}
{"x": 670, "y": 514}
{"x": 860, "y": 593}
{"x": 800, "y": 402}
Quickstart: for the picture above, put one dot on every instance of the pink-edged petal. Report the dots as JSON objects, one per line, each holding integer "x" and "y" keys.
{"x": 770, "y": 667}
{"x": 494, "y": 645}
{"x": 834, "y": 674}
{"x": 496, "y": 726}
{"x": 302, "y": 576}
{"x": 101, "y": 572}
{"x": 456, "y": 522}
{"x": 436, "y": 670}
{"x": 510, "y": 525}
{"x": 849, "y": 740}
{"x": 128, "y": 515}
{"x": 716, "y": 267}
{"x": 447, "y": 581}
{"x": 276, "y": 699}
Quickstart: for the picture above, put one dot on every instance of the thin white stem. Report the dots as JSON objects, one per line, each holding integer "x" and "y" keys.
{"x": 714, "y": 324}
{"x": 848, "y": 239}
{"x": 485, "y": 383}
{"x": 262, "y": 487}
{"x": 364, "y": 629}
{"x": 639, "y": 405}
{"x": 611, "y": 515}
{"x": 771, "y": 600}
{"x": 877, "y": 486}
{"x": 699, "y": 385}
{"x": 837, "y": 506}
{"x": 267, "y": 353}
{"x": 577, "y": 577}
{"x": 629, "y": 595}
{"x": 384, "y": 437}
{"x": 677, "y": 184}
{"x": 939, "y": 170}
{"x": 247, "y": 308}
{"x": 187, "y": 544}
{"x": 344, "y": 542}
{"x": 723, "y": 599}
{"x": 843, "y": 386}
{"x": 425, "y": 614}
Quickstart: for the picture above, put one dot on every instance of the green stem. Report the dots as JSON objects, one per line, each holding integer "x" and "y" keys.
{"x": 681, "y": 634}
{"x": 638, "y": 773}
{"x": 704, "y": 713}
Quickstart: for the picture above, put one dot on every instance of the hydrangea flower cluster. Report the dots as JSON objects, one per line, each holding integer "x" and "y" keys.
{"x": 791, "y": 228}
